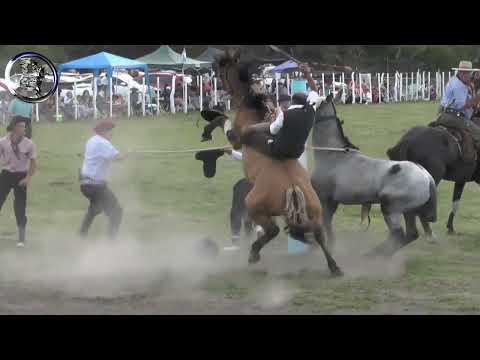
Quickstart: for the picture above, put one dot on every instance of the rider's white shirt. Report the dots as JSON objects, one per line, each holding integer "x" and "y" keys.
{"x": 237, "y": 155}
{"x": 313, "y": 99}
{"x": 99, "y": 153}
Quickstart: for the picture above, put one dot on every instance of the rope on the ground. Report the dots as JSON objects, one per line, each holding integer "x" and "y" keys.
{"x": 186, "y": 151}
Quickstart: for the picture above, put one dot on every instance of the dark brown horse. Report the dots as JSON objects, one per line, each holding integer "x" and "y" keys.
{"x": 441, "y": 154}
{"x": 280, "y": 188}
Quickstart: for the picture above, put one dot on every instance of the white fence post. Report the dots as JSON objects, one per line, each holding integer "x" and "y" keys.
{"x": 428, "y": 90}
{"x": 172, "y": 95}
{"x": 110, "y": 85}
{"x": 56, "y": 104}
{"x": 443, "y": 83}
{"x": 353, "y": 87}
{"x": 143, "y": 96}
{"x": 185, "y": 96}
{"x": 418, "y": 85}
{"x": 379, "y": 88}
{"x": 201, "y": 93}
{"x": 128, "y": 100}
{"x": 360, "y": 89}
{"x": 401, "y": 87}
{"x": 158, "y": 95}
{"x": 323, "y": 84}
{"x": 333, "y": 85}
{"x": 215, "y": 101}
{"x": 94, "y": 98}
{"x": 388, "y": 88}
{"x": 344, "y": 89}
{"x": 406, "y": 86}
{"x": 37, "y": 118}
{"x": 75, "y": 102}
{"x": 370, "y": 88}
{"x": 288, "y": 84}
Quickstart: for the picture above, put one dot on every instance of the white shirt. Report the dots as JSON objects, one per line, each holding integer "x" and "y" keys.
{"x": 237, "y": 155}
{"x": 99, "y": 153}
{"x": 313, "y": 99}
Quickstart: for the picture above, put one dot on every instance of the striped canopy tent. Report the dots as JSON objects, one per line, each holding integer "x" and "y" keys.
{"x": 166, "y": 58}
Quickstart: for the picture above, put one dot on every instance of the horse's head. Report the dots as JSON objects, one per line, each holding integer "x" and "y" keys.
{"x": 237, "y": 79}
{"x": 328, "y": 129}
{"x": 234, "y": 75}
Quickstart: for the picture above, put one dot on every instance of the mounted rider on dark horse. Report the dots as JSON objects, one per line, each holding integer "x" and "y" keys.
{"x": 449, "y": 147}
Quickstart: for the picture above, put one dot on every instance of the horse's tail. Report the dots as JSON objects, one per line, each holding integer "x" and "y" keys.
{"x": 296, "y": 207}
{"x": 429, "y": 210}
{"x": 365, "y": 213}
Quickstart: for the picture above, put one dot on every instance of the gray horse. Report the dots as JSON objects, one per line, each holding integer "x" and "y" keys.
{"x": 343, "y": 175}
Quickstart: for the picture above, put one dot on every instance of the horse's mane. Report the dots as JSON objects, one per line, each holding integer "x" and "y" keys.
{"x": 345, "y": 138}
{"x": 348, "y": 143}
{"x": 251, "y": 100}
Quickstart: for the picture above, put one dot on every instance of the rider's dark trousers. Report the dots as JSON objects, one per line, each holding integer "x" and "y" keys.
{"x": 238, "y": 212}
{"x": 8, "y": 181}
{"x": 102, "y": 199}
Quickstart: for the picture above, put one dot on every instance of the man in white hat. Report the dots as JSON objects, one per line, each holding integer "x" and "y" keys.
{"x": 458, "y": 103}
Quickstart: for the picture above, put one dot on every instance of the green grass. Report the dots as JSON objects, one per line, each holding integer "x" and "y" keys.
{"x": 161, "y": 191}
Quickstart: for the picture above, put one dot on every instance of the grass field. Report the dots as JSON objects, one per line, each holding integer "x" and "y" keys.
{"x": 169, "y": 205}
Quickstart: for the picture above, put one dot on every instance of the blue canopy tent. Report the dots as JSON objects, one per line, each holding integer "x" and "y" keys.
{"x": 108, "y": 62}
{"x": 285, "y": 67}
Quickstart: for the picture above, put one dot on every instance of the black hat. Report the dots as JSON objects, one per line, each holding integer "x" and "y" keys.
{"x": 210, "y": 115}
{"x": 209, "y": 158}
{"x": 15, "y": 120}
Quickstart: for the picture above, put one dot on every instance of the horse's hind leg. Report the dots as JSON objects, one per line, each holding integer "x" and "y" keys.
{"x": 270, "y": 231}
{"x": 397, "y": 238}
{"x": 319, "y": 234}
{"x": 329, "y": 208}
{"x": 411, "y": 226}
{"x": 430, "y": 236}
{"x": 457, "y": 195}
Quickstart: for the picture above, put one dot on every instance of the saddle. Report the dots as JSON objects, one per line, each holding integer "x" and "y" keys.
{"x": 464, "y": 139}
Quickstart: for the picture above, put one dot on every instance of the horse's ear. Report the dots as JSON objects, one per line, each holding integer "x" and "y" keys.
{"x": 236, "y": 55}
{"x": 231, "y": 53}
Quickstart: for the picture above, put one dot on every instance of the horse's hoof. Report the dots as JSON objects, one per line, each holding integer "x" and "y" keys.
{"x": 254, "y": 258}
{"x": 431, "y": 239}
{"x": 412, "y": 237}
{"x": 336, "y": 272}
{"x": 451, "y": 232}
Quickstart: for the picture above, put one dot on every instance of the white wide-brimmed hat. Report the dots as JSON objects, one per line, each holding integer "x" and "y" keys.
{"x": 465, "y": 66}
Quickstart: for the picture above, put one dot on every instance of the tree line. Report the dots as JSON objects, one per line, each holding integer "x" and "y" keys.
{"x": 365, "y": 58}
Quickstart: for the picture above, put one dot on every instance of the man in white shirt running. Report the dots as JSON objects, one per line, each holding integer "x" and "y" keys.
{"x": 99, "y": 154}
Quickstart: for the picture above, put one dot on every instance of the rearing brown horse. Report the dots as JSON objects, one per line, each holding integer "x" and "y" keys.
{"x": 281, "y": 187}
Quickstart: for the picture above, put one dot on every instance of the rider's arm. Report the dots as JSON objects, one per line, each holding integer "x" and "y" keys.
{"x": 277, "y": 124}
{"x": 308, "y": 76}
{"x": 237, "y": 155}
{"x": 313, "y": 97}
